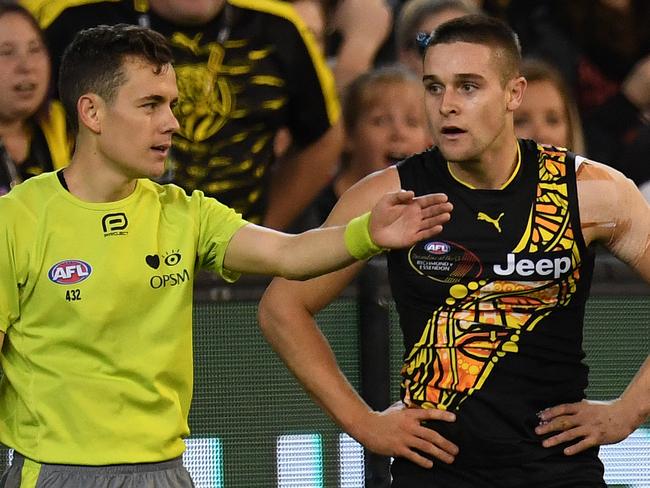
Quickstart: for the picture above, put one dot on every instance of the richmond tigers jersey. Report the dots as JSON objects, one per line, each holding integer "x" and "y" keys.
{"x": 492, "y": 308}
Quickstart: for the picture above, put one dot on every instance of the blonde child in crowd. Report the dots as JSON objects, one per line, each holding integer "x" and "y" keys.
{"x": 384, "y": 122}
{"x": 548, "y": 112}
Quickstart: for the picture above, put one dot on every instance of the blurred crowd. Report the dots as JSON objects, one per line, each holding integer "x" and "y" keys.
{"x": 284, "y": 105}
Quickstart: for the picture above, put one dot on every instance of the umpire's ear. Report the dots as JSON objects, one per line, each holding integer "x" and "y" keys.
{"x": 90, "y": 108}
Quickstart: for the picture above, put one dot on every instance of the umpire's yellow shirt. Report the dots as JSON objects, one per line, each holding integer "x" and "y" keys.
{"x": 96, "y": 305}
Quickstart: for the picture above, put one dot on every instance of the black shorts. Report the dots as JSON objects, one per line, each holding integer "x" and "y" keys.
{"x": 584, "y": 470}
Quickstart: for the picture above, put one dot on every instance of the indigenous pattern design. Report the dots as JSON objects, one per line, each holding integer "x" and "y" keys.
{"x": 485, "y": 316}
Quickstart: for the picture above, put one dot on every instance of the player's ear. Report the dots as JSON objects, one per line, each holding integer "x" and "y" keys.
{"x": 515, "y": 89}
{"x": 89, "y": 109}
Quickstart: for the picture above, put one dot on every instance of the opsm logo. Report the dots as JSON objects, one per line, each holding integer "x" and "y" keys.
{"x": 69, "y": 272}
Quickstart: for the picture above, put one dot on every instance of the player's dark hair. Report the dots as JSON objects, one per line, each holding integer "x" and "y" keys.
{"x": 479, "y": 29}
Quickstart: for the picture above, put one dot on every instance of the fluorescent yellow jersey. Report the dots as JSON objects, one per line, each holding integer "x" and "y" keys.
{"x": 96, "y": 304}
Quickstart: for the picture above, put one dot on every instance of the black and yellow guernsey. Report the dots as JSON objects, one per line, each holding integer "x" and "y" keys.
{"x": 492, "y": 308}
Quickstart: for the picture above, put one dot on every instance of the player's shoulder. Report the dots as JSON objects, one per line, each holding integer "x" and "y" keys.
{"x": 382, "y": 181}
{"x": 604, "y": 192}
{"x": 586, "y": 169}
{"x": 364, "y": 195}
{"x": 430, "y": 155}
{"x": 591, "y": 170}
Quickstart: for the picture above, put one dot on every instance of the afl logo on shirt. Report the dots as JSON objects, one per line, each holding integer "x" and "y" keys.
{"x": 69, "y": 272}
{"x": 437, "y": 247}
{"x": 444, "y": 261}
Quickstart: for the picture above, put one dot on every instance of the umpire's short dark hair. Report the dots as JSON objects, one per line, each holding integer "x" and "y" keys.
{"x": 94, "y": 62}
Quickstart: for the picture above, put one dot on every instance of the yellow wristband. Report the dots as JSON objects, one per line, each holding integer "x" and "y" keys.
{"x": 358, "y": 240}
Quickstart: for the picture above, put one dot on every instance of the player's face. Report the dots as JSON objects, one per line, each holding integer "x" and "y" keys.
{"x": 469, "y": 109}
{"x": 542, "y": 115}
{"x": 188, "y": 12}
{"x": 137, "y": 126}
{"x": 24, "y": 68}
{"x": 392, "y": 126}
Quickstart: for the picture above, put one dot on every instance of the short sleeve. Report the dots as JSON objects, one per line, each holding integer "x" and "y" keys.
{"x": 218, "y": 224}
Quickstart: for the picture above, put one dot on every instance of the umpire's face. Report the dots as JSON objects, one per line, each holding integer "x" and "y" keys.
{"x": 134, "y": 131}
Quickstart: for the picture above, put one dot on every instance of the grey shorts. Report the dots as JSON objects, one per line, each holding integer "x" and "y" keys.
{"x": 25, "y": 473}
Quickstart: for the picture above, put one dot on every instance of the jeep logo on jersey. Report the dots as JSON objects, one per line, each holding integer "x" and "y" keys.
{"x": 113, "y": 224}
{"x": 518, "y": 265}
{"x": 69, "y": 272}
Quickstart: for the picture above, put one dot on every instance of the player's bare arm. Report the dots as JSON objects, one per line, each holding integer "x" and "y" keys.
{"x": 398, "y": 219}
{"x": 614, "y": 213}
{"x": 287, "y": 321}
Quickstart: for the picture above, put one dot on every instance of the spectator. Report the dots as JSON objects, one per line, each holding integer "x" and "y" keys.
{"x": 244, "y": 70}
{"x": 384, "y": 123}
{"x": 548, "y": 112}
{"x": 363, "y": 26}
{"x": 315, "y": 14}
{"x": 423, "y": 16}
{"x": 602, "y": 48}
{"x": 635, "y": 152}
{"x": 33, "y": 135}
{"x": 351, "y": 32}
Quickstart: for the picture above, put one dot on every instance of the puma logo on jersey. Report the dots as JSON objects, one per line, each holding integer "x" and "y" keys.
{"x": 487, "y": 218}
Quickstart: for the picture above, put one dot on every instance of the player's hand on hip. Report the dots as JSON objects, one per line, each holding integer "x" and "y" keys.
{"x": 400, "y": 219}
{"x": 398, "y": 432}
{"x": 585, "y": 424}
